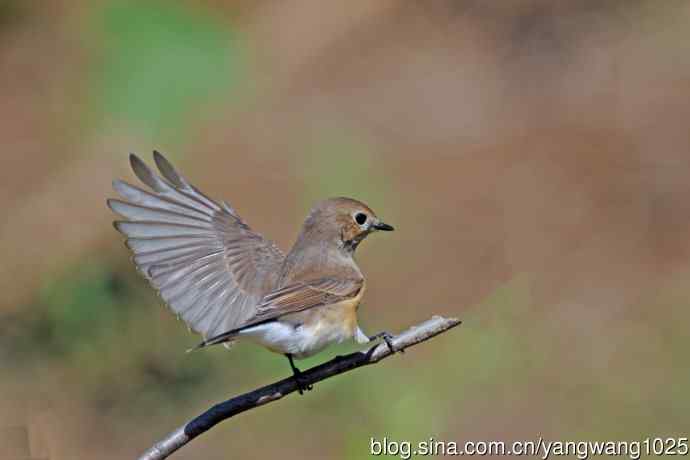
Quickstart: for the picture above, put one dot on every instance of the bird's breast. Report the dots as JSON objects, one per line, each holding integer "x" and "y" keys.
{"x": 339, "y": 319}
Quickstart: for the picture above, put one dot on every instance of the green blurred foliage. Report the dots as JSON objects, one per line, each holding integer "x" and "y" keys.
{"x": 73, "y": 311}
{"x": 163, "y": 63}
{"x": 104, "y": 327}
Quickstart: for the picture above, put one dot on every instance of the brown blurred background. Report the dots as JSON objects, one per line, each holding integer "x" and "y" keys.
{"x": 534, "y": 156}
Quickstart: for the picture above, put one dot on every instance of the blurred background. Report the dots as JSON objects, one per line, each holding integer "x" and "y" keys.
{"x": 534, "y": 156}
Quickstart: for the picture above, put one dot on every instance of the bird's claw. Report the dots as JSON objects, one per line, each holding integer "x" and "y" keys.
{"x": 388, "y": 338}
{"x": 301, "y": 385}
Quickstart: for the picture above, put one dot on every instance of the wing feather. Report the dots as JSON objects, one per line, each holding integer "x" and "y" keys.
{"x": 207, "y": 265}
{"x": 304, "y": 295}
{"x": 161, "y": 245}
{"x": 139, "y": 213}
{"x": 142, "y": 197}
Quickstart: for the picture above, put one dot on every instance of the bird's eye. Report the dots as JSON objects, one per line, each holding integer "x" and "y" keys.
{"x": 360, "y": 218}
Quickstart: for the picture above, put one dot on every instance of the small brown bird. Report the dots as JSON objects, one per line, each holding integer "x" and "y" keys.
{"x": 228, "y": 282}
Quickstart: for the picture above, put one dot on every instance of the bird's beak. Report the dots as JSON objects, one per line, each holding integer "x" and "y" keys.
{"x": 383, "y": 226}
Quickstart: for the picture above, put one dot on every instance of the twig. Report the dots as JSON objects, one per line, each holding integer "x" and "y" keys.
{"x": 275, "y": 391}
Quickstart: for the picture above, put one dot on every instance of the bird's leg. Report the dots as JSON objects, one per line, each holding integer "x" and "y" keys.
{"x": 387, "y": 337}
{"x": 298, "y": 376}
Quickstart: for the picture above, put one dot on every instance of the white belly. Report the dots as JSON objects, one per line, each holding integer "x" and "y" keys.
{"x": 301, "y": 341}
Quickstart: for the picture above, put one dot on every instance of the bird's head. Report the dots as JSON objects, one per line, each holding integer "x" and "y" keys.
{"x": 344, "y": 220}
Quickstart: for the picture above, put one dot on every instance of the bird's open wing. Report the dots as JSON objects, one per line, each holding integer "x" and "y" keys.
{"x": 304, "y": 295}
{"x": 207, "y": 264}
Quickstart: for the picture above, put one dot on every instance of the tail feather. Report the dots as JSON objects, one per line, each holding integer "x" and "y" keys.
{"x": 226, "y": 338}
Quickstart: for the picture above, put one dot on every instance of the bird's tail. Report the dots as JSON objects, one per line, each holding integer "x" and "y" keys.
{"x": 226, "y": 338}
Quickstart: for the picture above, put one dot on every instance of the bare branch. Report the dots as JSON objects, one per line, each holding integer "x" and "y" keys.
{"x": 275, "y": 391}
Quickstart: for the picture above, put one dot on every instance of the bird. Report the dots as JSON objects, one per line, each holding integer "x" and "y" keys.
{"x": 229, "y": 283}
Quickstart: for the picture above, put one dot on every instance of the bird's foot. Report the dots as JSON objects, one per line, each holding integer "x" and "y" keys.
{"x": 388, "y": 338}
{"x": 302, "y": 385}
